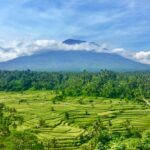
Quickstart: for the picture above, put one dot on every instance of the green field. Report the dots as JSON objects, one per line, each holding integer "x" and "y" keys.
{"x": 67, "y": 120}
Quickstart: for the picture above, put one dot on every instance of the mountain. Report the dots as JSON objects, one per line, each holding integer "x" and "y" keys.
{"x": 73, "y": 41}
{"x": 73, "y": 61}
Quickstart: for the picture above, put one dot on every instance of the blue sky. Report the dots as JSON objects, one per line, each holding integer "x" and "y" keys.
{"x": 119, "y": 23}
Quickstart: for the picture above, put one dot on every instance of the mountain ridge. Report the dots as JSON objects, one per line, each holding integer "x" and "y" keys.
{"x": 59, "y": 60}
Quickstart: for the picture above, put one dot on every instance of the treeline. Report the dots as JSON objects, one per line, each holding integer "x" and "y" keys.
{"x": 135, "y": 85}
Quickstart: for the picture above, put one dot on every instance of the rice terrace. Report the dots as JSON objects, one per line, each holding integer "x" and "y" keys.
{"x": 69, "y": 123}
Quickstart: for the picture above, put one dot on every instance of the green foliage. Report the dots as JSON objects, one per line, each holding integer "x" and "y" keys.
{"x": 86, "y": 112}
{"x": 54, "y": 143}
{"x": 15, "y": 140}
{"x": 146, "y": 140}
{"x": 52, "y": 108}
{"x": 42, "y": 122}
{"x": 105, "y": 83}
{"x": 118, "y": 146}
{"x": 23, "y": 141}
{"x": 67, "y": 115}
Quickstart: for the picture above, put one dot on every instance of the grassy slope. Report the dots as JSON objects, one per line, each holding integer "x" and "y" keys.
{"x": 38, "y": 105}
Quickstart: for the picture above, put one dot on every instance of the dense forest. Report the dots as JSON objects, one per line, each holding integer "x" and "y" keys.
{"x": 135, "y": 85}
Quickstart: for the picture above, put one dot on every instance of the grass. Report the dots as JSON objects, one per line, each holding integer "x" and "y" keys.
{"x": 82, "y": 112}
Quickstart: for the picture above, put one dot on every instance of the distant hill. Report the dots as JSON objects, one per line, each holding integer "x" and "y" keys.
{"x": 73, "y": 61}
{"x": 73, "y": 41}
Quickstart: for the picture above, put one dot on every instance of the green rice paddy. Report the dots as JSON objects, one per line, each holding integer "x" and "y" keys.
{"x": 66, "y": 120}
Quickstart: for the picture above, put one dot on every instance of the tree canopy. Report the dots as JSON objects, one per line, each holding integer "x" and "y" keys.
{"x": 130, "y": 85}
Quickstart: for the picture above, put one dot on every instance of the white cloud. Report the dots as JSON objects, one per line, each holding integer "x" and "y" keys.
{"x": 13, "y": 49}
{"x": 123, "y": 52}
{"x": 143, "y": 57}
{"x": 140, "y": 56}
{"x": 4, "y": 56}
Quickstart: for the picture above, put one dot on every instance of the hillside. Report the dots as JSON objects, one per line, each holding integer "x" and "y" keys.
{"x": 73, "y": 61}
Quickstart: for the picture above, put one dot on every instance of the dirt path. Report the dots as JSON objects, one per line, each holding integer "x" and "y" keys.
{"x": 146, "y": 101}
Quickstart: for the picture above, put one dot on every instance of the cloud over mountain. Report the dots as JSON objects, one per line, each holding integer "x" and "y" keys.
{"x": 13, "y": 49}
{"x": 143, "y": 56}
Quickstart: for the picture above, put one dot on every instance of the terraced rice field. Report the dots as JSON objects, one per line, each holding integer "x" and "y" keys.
{"x": 67, "y": 120}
